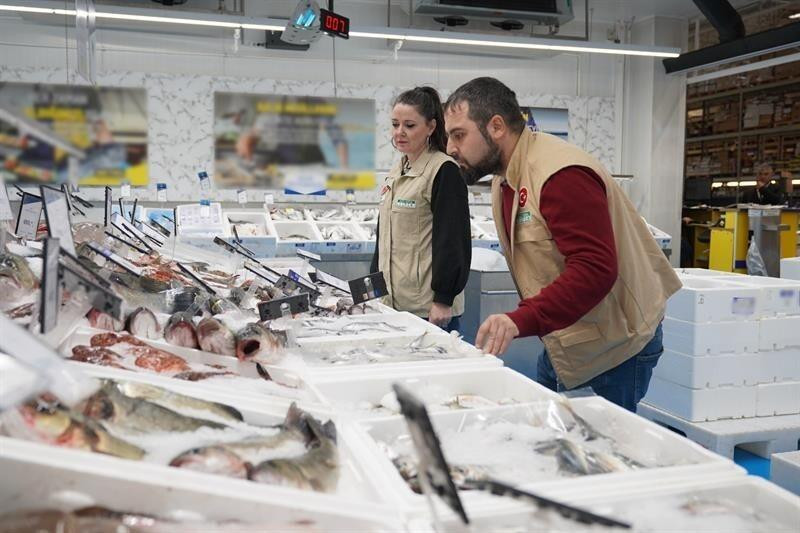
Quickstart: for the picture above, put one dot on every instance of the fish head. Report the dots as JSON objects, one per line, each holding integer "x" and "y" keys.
{"x": 46, "y": 418}
{"x": 100, "y": 406}
{"x": 15, "y": 267}
{"x": 213, "y": 459}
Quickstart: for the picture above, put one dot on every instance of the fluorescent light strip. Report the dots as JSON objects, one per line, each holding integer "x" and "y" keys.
{"x": 508, "y": 44}
{"x": 747, "y": 183}
{"x": 363, "y": 34}
{"x": 795, "y": 16}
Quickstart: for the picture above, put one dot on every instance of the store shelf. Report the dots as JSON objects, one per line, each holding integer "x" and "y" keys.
{"x": 794, "y": 128}
{"x": 746, "y": 90}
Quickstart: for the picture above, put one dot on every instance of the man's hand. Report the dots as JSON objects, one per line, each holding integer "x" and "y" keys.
{"x": 440, "y": 314}
{"x": 495, "y": 334}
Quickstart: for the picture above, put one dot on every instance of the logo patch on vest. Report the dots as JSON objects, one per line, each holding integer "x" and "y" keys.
{"x": 523, "y": 197}
{"x": 524, "y": 217}
{"x": 408, "y": 204}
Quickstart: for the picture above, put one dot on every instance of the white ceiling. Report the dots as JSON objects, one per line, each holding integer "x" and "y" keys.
{"x": 612, "y": 10}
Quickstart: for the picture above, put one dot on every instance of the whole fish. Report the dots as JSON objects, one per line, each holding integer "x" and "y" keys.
{"x": 55, "y": 424}
{"x": 256, "y": 341}
{"x": 575, "y": 459}
{"x": 15, "y": 268}
{"x": 175, "y": 401}
{"x": 317, "y": 469}
{"x": 138, "y": 415}
{"x": 142, "y": 323}
{"x": 215, "y": 337}
{"x": 213, "y": 460}
{"x": 180, "y": 330}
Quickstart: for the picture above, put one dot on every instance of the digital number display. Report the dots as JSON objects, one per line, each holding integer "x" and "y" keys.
{"x": 334, "y": 24}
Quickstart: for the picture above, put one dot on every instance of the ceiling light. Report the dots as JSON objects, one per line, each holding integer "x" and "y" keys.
{"x": 747, "y": 183}
{"x": 716, "y": 185}
{"x": 795, "y": 16}
{"x": 795, "y": 182}
{"x": 424, "y": 36}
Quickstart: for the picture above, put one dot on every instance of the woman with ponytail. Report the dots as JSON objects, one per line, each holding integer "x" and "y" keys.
{"x": 423, "y": 240}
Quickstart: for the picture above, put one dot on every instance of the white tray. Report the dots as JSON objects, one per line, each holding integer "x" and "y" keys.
{"x": 641, "y": 436}
{"x": 353, "y": 393}
{"x": 714, "y": 300}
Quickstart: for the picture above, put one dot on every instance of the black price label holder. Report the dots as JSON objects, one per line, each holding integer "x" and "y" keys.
{"x": 432, "y": 471}
{"x": 28, "y": 216}
{"x": 56, "y": 213}
{"x": 282, "y": 307}
{"x": 258, "y": 270}
{"x": 101, "y": 299}
{"x": 50, "y": 294}
{"x": 332, "y": 281}
{"x": 203, "y": 285}
{"x": 155, "y": 224}
{"x": 570, "y": 512}
{"x": 107, "y": 207}
{"x": 117, "y": 260}
{"x": 120, "y": 223}
{"x": 368, "y": 288}
{"x": 126, "y": 242}
{"x": 236, "y": 248}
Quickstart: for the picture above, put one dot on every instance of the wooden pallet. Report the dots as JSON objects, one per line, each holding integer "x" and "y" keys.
{"x": 762, "y": 436}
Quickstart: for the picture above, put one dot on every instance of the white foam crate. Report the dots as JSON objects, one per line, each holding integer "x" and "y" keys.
{"x": 779, "y": 297}
{"x": 284, "y": 229}
{"x": 790, "y": 268}
{"x": 357, "y": 244}
{"x": 647, "y": 508}
{"x": 355, "y": 481}
{"x": 705, "y": 273}
{"x": 48, "y": 477}
{"x": 781, "y": 365}
{"x": 778, "y": 399}
{"x": 698, "y": 405}
{"x": 636, "y": 437}
{"x": 785, "y": 471}
{"x": 713, "y": 300}
{"x": 258, "y": 218}
{"x": 778, "y": 333}
{"x": 250, "y": 384}
{"x": 412, "y": 325}
{"x": 354, "y": 393}
{"x": 711, "y": 371}
{"x": 709, "y": 339}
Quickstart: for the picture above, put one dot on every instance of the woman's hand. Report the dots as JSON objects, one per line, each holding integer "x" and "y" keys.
{"x": 440, "y": 314}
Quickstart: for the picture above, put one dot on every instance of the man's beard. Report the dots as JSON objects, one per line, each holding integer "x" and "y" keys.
{"x": 489, "y": 164}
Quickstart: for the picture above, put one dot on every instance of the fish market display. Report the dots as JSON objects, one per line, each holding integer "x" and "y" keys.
{"x": 363, "y": 215}
{"x": 143, "y": 323}
{"x": 248, "y": 229}
{"x": 436, "y": 398}
{"x": 254, "y": 341}
{"x": 215, "y": 337}
{"x": 532, "y": 443}
{"x": 180, "y": 330}
{"x": 18, "y": 285}
{"x": 371, "y": 231}
{"x": 329, "y": 214}
{"x": 131, "y": 421}
{"x": 337, "y": 327}
{"x": 296, "y": 237}
{"x": 338, "y": 233}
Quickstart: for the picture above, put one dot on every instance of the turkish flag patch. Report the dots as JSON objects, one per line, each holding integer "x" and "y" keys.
{"x": 523, "y": 197}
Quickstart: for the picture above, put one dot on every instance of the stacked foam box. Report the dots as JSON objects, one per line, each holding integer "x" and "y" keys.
{"x": 790, "y": 268}
{"x": 731, "y": 348}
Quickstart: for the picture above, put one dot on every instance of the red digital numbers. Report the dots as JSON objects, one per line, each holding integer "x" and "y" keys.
{"x": 333, "y": 23}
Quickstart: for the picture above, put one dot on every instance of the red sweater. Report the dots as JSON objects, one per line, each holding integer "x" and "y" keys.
{"x": 574, "y": 205}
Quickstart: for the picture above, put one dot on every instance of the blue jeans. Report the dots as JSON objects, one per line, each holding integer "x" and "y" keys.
{"x": 453, "y": 325}
{"x": 623, "y": 385}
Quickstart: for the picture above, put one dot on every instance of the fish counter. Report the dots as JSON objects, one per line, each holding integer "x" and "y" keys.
{"x": 207, "y": 414}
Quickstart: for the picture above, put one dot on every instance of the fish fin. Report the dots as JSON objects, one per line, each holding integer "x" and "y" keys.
{"x": 263, "y": 372}
{"x": 231, "y": 411}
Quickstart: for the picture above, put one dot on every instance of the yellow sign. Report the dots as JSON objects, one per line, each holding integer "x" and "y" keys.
{"x": 341, "y": 181}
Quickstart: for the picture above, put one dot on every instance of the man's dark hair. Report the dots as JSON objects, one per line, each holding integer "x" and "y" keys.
{"x": 427, "y": 103}
{"x": 488, "y": 97}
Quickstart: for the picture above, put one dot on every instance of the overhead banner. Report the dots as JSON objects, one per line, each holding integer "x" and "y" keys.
{"x": 293, "y": 142}
{"x": 97, "y": 135}
{"x": 549, "y": 120}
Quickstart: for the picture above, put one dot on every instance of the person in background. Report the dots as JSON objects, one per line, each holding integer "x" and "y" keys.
{"x": 593, "y": 282}
{"x": 423, "y": 247}
{"x": 768, "y": 187}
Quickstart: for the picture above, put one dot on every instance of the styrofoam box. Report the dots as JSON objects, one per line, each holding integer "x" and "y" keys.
{"x": 709, "y": 339}
{"x": 778, "y": 296}
{"x": 785, "y": 470}
{"x": 48, "y": 477}
{"x": 249, "y": 384}
{"x": 713, "y": 300}
{"x": 778, "y": 399}
{"x": 284, "y": 229}
{"x": 790, "y": 268}
{"x": 711, "y": 371}
{"x": 355, "y": 481}
{"x": 351, "y": 393}
{"x": 635, "y": 436}
{"x": 697, "y": 405}
{"x": 258, "y": 218}
{"x": 777, "y": 333}
{"x": 704, "y": 272}
{"x": 412, "y": 327}
{"x": 754, "y": 493}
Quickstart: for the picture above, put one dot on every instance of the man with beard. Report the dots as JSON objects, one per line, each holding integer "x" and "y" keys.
{"x": 592, "y": 281}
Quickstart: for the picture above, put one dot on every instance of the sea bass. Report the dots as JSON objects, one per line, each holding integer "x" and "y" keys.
{"x": 175, "y": 401}
{"x": 137, "y": 415}
{"x": 256, "y": 341}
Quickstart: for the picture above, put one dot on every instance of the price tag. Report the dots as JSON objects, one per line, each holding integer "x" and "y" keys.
{"x": 161, "y": 192}
{"x": 56, "y": 213}
{"x": 50, "y": 295}
{"x": 205, "y": 183}
{"x": 205, "y": 208}
{"x": 293, "y": 305}
{"x": 350, "y": 197}
{"x": 119, "y": 222}
{"x": 30, "y": 212}
{"x": 433, "y": 471}
{"x": 303, "y": 281}
{"x": 269, "y": 199}
{"x": 126, "y": 242}
{"x": 333, "y": 281}
{"x": 189, "y": 272}
{"x": 125, "y": 190}
{"x": 241, "y": 196}
{"x": 259, "y": 271}
{"x": 369, "y": 288}
{"x": 5, "y": 205}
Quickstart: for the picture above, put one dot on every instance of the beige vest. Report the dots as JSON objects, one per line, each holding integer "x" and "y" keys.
{"x": 406, "y": 231}
{"x": 625, "y": 320}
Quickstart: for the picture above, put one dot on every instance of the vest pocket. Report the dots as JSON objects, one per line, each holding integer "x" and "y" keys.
{"x": 578, "y": 333}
